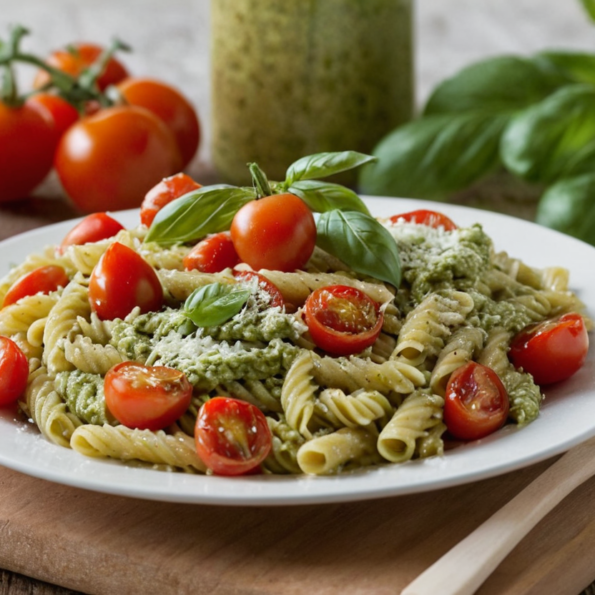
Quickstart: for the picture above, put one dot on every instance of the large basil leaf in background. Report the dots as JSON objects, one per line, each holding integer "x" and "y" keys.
{"x": 553, "y": 139}
{"x": 589, "y": 6}
{"x": 578, "y": 67}
{"x": 497, "y": 85}
{"x": 569, "y": 207}
{"x": 435, "y": 155}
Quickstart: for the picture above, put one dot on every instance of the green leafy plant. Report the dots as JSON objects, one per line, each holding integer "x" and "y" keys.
{"x": 533, "y": 117}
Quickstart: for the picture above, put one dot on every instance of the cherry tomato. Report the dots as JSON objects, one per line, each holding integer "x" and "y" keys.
{"x": 14, "y": 371}
{"x": 425, "y": 217}
{"x": 93, "y": 228}
{"x": 277, "y": 232}
{"x": 212, "y": 255}
{"x": 232, "y": 436}
{"x": 146, "y": 397}
{"x": 76, "y": 58}
{"x": 277, "y": 299}
{"x": 41, "y": 280}
{"x": 552, "y": 350}
{"x": 61, "y": 113}
{"x": 121, "y": 281}
{"x": 110, "y": 160}
{"x": 342, "y": 320}
{"x": 27, "y": 146}
{"x": 476, "y": 402}
{"x": 171, "y": 106}
{"x": 163, "y": 193}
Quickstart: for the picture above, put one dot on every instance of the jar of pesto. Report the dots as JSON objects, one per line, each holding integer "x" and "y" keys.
{"x": 296, "y": 77}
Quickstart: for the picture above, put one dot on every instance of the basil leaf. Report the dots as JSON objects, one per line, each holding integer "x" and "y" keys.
{"x": 497, "y": 85}
{"x": 589, "y": 6}
{"x": 214, "y": 304}
{"x": 569, "y": 207}
{"x": 209, "y": 209}
{"x": 324, "y": 196}
{"x": 553, "y": 139}
{"x": 322, "y": 165}
{"x": 361, "y": 242}
{"x": 578, "y": 67}
{"x": 435, "y": 155}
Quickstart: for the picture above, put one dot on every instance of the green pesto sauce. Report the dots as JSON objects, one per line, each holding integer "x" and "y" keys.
{"x": 83, "y": 395}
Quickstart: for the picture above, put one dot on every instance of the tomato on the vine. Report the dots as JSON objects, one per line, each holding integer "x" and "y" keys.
{"x": 121, "y": 281}
{"x": 426, "y": 217}
{"x": 169, "y": 105}
{"x": 476, "y": 402}
{"x": 62, "y": 114}
{"x": 277, "y": 232}
{"x": 553, "y": 350}
{"x": 212, "y": 255}
{"x": 110, "y": 160}
{"x": 232, "y": 436}
{"x": 93, "y": 228}
{"x": 146, "y": 397}
{"x": 44, "y": 279}
{"x": 14, "y": 371}
{"x": 342, "y": 320}
{"x": 276, "y": 297}
{"x": 163, "y": 193}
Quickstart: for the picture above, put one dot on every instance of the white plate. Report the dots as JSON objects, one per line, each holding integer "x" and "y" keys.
{"x": 567, "y": 417}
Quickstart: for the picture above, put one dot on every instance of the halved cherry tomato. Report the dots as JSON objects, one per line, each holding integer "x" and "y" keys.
{"x": 476, "y": 402}
{"x": 14, "y": 371}
{"x": 146, "y": 397}
{"x": 277, "y": 232}
{"x": 163, "y": 193}
{"x": 342, "y": 320}
{"x": 277, "y": 299}
{"x": 121, "y": 281}
{"x": 232, "y": 436}
{"x": 61, "y": 113}
{"x": 41, "y": 280}
{"x": 93, "y": 228}
{"x": 169, "y": 105}
{"x": 552, "y": 350}
{"x": 212, "y": 255}
{"x": 426, "y": 217}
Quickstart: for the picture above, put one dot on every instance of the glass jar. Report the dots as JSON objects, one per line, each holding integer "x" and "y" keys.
{"x": 296, "y": 77}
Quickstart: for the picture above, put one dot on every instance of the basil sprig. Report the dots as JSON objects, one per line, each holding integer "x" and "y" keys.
{"x": 215, "y": 304}
{"x": 361, "y": 242}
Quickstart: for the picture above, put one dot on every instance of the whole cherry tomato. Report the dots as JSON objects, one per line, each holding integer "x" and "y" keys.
{"x": 44, "y": 279}
{"x": 163, "y": 193}
{"x": 342, "y": 320}
{"x": 169, "y": 105}
{"x": 110, "y": 160}
{"x": 212, "y": 255}
{"x": 476, "y": 402}
{"x": 276, "y": 297}
{"x": 146, "y": 397}
{"x": 78, "y": 56}
{"x": 93, "y": 228}
{"x": 61, "y": 113}
{"x": 27, "y": 147}
{"x": 277, "y": 232}
{"x": 232, "y": 436}
{"x": 14, "y": 371}
{"x": 552, "y": 350}
{"x": 121, "y": 281}
{"x": 425, "y": 217}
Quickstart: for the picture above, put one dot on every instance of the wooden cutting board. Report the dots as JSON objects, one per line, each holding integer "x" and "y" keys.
{"x": 103, "y": 544}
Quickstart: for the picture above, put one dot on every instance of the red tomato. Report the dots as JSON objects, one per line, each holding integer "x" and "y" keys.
{"x": 93, "y": 228}
{"x": 212, "y": 255}
{"x": 146, "y": 397}
{"x": 553, "y": 350}
{"x": 342, "y": 320}
{"x": 61, "y": 113}
{"x": 277, "y": 232}
{"x": 171, "y": 106}
{"x": 110, "y": 160}
{"x": 27, "y": 146}
{"x": 425, "y": 217}
{"x": 232, "y": 436}
{"x": 277, "y": 299}
{"x": 14, "y": 371}
{"x": 76, "y": 58}
{"x": 163, "y": 193}
{"x": 476, "y": 402}
{"x": 41, "y": 280}
{"x": 121, "y": 281}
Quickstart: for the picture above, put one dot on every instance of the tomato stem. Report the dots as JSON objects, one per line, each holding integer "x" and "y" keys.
{"x": 261, "y": 182}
